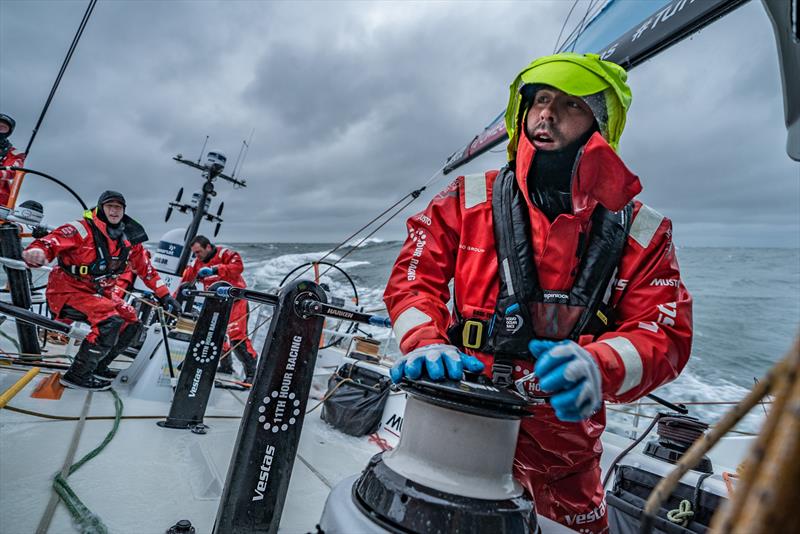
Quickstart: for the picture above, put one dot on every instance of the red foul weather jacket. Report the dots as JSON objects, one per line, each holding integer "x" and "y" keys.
{"x": 229, "y": 269}
{"x": 12, "y": 159}
{"x": 647, "y": 346}
{"x": 73, "y": 243}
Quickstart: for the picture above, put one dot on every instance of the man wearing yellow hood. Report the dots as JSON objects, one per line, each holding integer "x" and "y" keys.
{"x": 564, "y": 285}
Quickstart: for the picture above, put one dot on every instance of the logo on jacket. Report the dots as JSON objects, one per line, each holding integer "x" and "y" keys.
{"x": 424, "y": 219}
{"x": 667, "y": 313}
{"x": 513, "y": 323}
{"x": 555, "y": 297}
{"x": 593, "y": 515}
{"x": 419, "y": 237}
{"x": 470, "y": 248}
{"x": 669, "y": 282}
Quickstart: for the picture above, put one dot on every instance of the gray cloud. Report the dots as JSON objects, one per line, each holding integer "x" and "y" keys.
{"x": 355, "y": 104}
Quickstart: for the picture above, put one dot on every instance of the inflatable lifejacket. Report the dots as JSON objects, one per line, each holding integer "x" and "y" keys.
{"x": 524, "y": 309}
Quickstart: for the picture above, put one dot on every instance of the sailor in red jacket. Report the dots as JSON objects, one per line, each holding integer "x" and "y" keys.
{"x": 91, "y": 253}
{"x": 215, "y": 264}
{"x": 563, "y": 283}
{"x": 8, "y": 158}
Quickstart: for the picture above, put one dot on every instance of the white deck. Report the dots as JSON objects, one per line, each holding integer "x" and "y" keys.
{"x": 149, "y": 477}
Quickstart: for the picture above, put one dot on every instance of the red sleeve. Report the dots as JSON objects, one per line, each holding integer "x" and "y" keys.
{"x": 140, "y": 263}
{"x": 189, "y": 273}
{"x": 12, "y": 159}
{"x": 231, "y": 265}
{"x": 65, "y": 237}
{"x": 418, "y": 289}
{"x": 653, "y": 337}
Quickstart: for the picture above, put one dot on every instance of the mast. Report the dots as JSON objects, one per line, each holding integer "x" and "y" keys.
{"x": 215, "y": 163}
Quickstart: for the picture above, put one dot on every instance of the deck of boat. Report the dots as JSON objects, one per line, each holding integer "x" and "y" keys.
{"x": 148, "y": 477}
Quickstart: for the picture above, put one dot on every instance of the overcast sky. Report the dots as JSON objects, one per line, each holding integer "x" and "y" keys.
{"x": 355, "y": 104}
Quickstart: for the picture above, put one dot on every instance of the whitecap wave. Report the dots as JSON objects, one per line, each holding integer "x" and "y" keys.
{"x": 368, "y": 241}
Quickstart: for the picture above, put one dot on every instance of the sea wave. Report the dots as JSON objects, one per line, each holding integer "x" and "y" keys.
{"x": 366, "y": 242}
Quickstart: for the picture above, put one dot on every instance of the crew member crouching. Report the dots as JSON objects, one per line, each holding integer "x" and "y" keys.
{"x": 218, "y": 264}
{"x": 91, "y": 253}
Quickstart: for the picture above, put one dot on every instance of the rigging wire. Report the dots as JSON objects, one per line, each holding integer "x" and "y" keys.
{"x": 357, "y": 245}
{"x": 583, "y": 24}
{"x": 575, "y": 3}
{"x": 579, "y": 29}
{"x": 56, "y": 180}
{"x": 415, "y": 194}
{"x": 78, "y": 33}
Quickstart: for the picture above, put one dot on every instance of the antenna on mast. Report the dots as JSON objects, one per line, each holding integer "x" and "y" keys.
{"x": 236, "y": 165}
{"x": 202, "y": 151}
{"x": 243, "y": 153}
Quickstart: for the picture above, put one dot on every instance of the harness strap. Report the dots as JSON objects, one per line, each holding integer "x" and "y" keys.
{"x": 105, "y": 264}
{"x": 525, "y": 310}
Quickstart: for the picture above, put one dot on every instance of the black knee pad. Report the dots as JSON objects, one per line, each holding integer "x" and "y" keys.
{"x": 109, "y": 331}
{"x": 130, "y": 334}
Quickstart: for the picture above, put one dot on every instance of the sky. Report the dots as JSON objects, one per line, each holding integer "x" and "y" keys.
{"x": 353, "y": 105}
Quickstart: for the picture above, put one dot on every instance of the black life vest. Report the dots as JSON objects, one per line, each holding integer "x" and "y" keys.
{"x": 106, "y": 264}
{"x": 524, "y": 310}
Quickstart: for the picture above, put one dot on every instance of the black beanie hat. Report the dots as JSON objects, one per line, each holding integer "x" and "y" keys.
{"x": 11, "y": 123}
{"x": 108, "y": 196}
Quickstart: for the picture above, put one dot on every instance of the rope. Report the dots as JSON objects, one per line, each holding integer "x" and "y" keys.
{"x": 327, "y": 395}
{"x": 81, "y": 27}
{"x": 249, "y": 333}
{"x": 414, "y": 194}
{"x": 384, "y": 223}
{"x": 653, "y": 417}
{"x": 47, "y": 517}
{"x": 683, "y": 430}
{"x": 630, "y": 447}
{"x": 33, "y": 355}
{"x": 146, "y": 301}
{"x": 11, "y": 339}
{"x": 682, "y": 514}
{"x": 103, "y": 417}
{"x": 88, "y": 521}
{"x": 331, "y": 392}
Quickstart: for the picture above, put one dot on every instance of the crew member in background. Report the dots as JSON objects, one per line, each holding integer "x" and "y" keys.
{"x": 559, "y": 275}
{"x": 91, "y": 253}
{"x": 218, "y": 264}
{"x": 9, "y": 157}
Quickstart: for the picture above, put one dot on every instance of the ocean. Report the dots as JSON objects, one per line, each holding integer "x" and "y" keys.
{"x": 746, "y": 309}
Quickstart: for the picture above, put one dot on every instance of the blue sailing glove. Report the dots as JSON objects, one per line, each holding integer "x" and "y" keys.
{"x": 437, "y": 359}
{"x": 570, "y": 373}
{"x": 206, "y": 271}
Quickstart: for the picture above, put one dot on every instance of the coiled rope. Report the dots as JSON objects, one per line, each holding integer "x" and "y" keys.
{"x": 682, "y": 514}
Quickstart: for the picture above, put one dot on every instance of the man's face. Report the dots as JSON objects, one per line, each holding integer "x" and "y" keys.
{"x": 114, "y": 211}
{"x": 202, "y": 252}
{"x": 556, "y": 119}
{"x": 4, "y": 127}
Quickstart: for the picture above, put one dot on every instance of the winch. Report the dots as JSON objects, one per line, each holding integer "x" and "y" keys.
{"x": 451, "y": 470}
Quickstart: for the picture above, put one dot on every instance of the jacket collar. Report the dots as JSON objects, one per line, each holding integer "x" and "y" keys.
{"x": 92, "y": 218}
{"x": 213, "y": 255}
{"x": 601, "y": 176}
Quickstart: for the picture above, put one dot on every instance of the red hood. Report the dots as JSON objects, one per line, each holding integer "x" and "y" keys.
{"x": 602, "y": 176}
